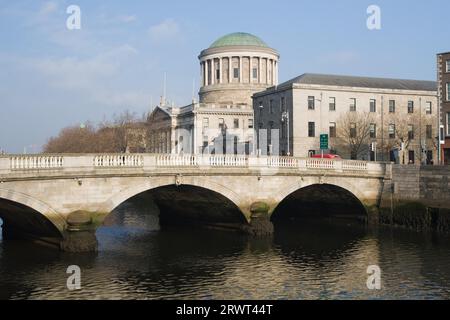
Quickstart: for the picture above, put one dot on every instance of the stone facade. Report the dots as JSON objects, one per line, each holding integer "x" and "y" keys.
{"x": 232, "y": 70}
{"x": 419, "y": 198}
{"x": 330, "y": 102}
{"x": 443, "y": 66}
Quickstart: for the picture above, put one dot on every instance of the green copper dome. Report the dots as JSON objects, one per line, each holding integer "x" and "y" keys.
{"x": 239, "y": 39}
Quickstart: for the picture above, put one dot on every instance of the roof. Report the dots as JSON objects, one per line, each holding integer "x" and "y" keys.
{"x": 362, "y": 82}
{"x": 239, "y": 39}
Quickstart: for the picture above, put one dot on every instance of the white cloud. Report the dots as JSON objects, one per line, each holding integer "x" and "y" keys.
{"x": 166, "y": 30}
{"x": 127, "y": 18}
{"x": 91, "y": 77}
{"x": 47, "y": 8}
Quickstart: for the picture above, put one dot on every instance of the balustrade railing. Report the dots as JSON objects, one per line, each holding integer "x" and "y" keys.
{"x": 111, "y": 161}
{"x": 171, "y": 160}
{"x": 148, "y": 161}
{"x": 228, "y": 161}
{"x": 36, "y": 162}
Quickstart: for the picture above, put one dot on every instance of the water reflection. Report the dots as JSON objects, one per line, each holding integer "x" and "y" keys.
{"x": 314, "y": 260}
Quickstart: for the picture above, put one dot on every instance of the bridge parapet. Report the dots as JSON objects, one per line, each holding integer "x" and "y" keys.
{"x": 18, "y": 164}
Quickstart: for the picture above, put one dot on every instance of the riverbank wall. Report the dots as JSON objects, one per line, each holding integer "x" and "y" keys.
{"x": 417, "y": 197}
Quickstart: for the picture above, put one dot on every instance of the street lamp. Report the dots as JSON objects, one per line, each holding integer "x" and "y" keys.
{"x": 285, "y": 118}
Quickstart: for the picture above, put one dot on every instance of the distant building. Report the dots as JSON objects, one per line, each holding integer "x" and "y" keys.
{"x": 232, "y": 69}
{"x": 443, "y": 66}
{"x": 313, "y": 104}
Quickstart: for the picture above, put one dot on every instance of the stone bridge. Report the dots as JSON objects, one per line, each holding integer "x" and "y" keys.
{"x": 61, "y": 199}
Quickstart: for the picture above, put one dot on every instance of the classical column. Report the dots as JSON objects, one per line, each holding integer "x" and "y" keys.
{"x": 230, "y": 69}
{"x": 220, "y": 70}
{"x": 206, "y": 73}
{"x": 250, "y": 73}
{"x": 260, "y": 70}
{"x": 240, "y": 69}
{"x": 272, "y": 71}
{"x": 213, "y": 71}
{"x": 203, "y": 74}
{"x": 275, "y": 76}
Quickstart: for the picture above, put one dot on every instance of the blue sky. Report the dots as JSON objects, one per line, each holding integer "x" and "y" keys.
{"x": 51, "y": 77}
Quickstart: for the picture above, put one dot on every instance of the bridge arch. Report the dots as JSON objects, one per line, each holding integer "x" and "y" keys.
{"x": 33, "y": 206}
{"x": 330, "y": 194}
{"x": 154, "y": 183}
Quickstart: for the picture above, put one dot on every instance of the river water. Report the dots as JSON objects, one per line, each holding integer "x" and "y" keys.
{"x": 310, "y": 260}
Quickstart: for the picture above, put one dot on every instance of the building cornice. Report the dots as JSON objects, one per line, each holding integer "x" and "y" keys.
{"x": 297, "y": 86}
{"x": 238, "y": 50}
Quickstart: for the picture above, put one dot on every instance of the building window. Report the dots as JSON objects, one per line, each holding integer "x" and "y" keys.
{"x": 448, "y": 123}
{"x": 271, "y": 106}
{"x": 332, "y": 104}
{"x": 221, "y": 123}
{"x": 311, "y": 129}
{"x": 429, "y": 131}
{"x": 311, "y": 103}
{"x": 283, "y": 104}
{"x": 352, "y": 130}
{"x": 205, "y": 123}
{"x": 332, "y": 129}
{"x": 352, "y": 104}
{"x": 236, "y": 73}
{"x": 250, "y": 123}
{"x": 236, "y": 123}
{"x": 391, "y": 131}
{"x": 447, "y": 66}
{"x": 410, "y": 106}
{"x": 218, "y": 74}
{"x": 255, "y": 73}
{"x": 429, "y": 107}
{"x": 411, "y": 156}
{"x": 410, "y": 132}
{"x": 391, "y": 106}
{"x": 373, "y": 130}
{"x": 448, "y": 91}
{"x": 373, "y": 105}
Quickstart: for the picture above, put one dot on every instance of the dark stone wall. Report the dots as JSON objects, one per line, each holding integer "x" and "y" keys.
{"x": 420, "y": 198}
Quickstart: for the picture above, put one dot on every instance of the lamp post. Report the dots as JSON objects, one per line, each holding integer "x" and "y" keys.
{"x": 285, "y": 118}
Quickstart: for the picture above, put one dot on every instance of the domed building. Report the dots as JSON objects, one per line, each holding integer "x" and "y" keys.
{"x": 235, "y": 67}
{"x": 232, "y": 69}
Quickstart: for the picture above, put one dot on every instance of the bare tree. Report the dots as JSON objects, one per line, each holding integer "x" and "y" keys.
{"x": 353, "y": 132}
{"x": 409, "y": 132}
{"x": 75, "y": 139}
{"x": 108, "y": 137}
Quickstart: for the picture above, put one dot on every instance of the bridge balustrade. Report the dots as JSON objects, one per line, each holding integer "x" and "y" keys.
{"x": 36, "y": 162}
{"x": 148, "y": 161}
{"x": 118, "y": 161}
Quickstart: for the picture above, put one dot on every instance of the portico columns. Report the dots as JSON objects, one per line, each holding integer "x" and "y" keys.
{"x": 206, "y": 73}
{"x": 220, "y": 70}
{"x": 250, "y": 67}
{"x": 213, "y": 71}
{"x": 272, "y": 72}
{"x": 240, "y": 69}
{"x": 260, "y": 70}
{"x": 230, "y": 69}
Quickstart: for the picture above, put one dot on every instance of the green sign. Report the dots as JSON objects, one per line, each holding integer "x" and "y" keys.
{"x": 323, "y": 142}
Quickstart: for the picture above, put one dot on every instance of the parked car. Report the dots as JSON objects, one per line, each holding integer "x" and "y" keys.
{"x": 327, "y": 156}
